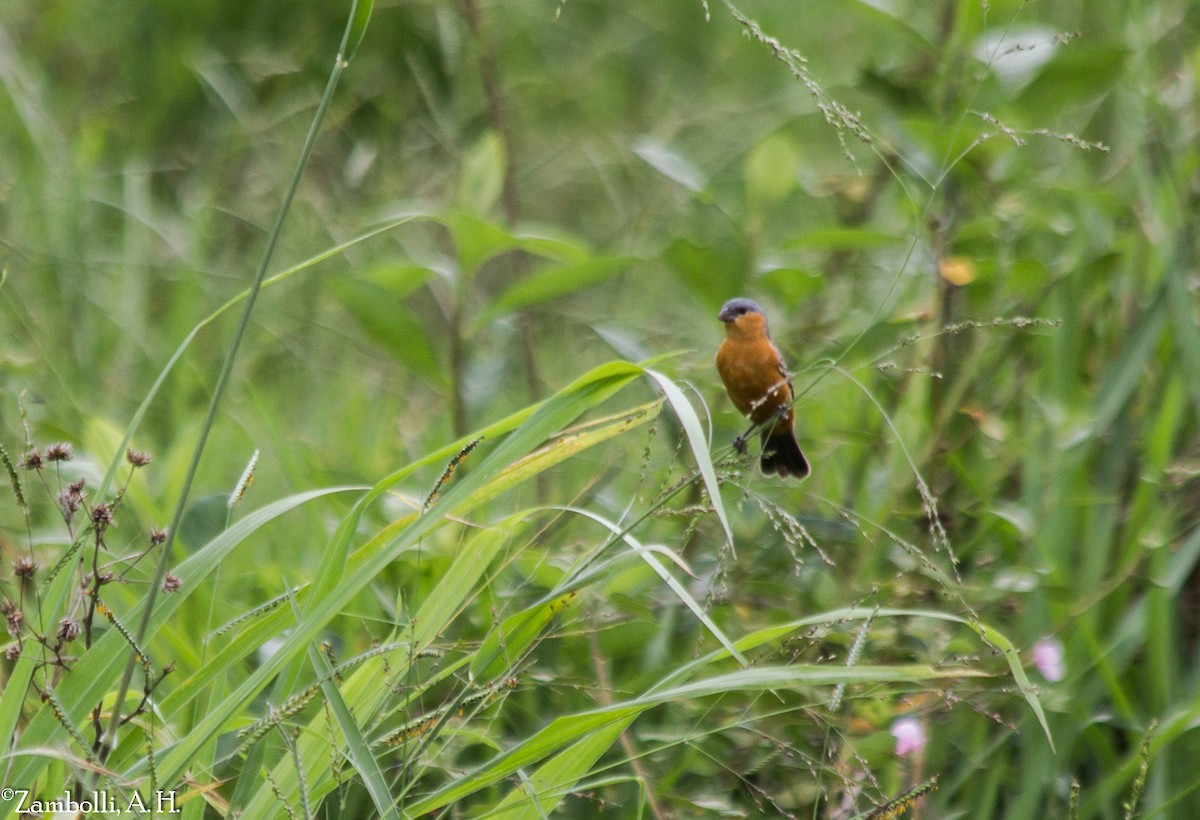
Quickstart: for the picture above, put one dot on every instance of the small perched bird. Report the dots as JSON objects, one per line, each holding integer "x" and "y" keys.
{"x": 758, "y": 382}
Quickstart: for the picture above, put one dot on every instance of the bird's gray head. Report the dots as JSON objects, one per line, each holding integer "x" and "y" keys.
{"x": 738, "y": 307}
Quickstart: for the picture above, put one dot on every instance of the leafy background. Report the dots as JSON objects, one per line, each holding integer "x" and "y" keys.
{"x": 972, "y": 225}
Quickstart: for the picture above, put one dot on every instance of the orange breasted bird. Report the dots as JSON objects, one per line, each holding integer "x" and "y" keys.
{"x": 759, "y": 385}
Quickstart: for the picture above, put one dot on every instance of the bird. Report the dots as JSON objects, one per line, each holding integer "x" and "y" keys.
{"x": 760, "y": 387}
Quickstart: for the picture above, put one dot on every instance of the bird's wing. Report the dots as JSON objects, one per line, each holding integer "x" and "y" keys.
{"x": 783, "y": 371}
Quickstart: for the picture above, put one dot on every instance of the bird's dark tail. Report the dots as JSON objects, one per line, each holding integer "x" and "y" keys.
{"x": 781, "y": 455}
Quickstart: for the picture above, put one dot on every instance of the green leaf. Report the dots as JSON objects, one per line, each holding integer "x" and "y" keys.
{"x": 699, "y": 445}
{"x": 477, "y": 240}
{"x": 792, "y": 285}
{"x": 388, "y": 323}
{"x": 454, "y": 589}
{"x": 564, "y": 731}
{"x": 770, "y": 171}
{"x": 935, "y": 144}
{"x": 356, "y": 28}
{"x": 553, "y": 245}
{"x": 647, "y": 555}
{"x": 670, "y": 164}
{"x": 561, "y": 732}
{"x": 204, "y": 519}
{"x": 399, "y": 280}
{"x": 842, "y": 239}
{"x": 1016, "y": 53}
{"x": 96, "y": 673}
{"x": 714, "y": 273}
{"x": 1185, "y": 330}
{"x": 557, "y": 777}
{"x": 1027, "y": 278}
{"x": 1012, "y": 658}
{"x": 482, "y": 176}
{"x": 1128, "y": 372}
{"x": 16, "y": 687}
{"x": 506, "y": 644}
{"x": 457, "y": 583}
{"x": 372, "y": 558}
{"x": 357, "y": 750}
{"x": 1076, "y": 75}
{"x": 132, "y": 427}
{"x": 896, "y": 21}
{"x": 555, "y": 282}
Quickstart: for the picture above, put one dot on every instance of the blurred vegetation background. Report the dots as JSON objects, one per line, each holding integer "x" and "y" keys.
{"x": 971, "y": 223}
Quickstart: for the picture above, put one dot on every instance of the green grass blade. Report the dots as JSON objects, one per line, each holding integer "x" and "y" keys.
{"x": 556, "y": 778}
{"x": 567, "y": 730}
{"x": 1125, "y": 374}
{"x": 669, "y": 579}
{"x": 548, "y": 419}
{"x": 700, "y": 447}
{"x": 95, "y": 673}
{"x": 357, "y": 750}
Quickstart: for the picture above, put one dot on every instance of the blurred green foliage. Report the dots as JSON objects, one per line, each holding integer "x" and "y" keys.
{"x": 971, "y": 223}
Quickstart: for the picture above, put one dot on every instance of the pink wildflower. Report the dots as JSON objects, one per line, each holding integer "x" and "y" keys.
{"x": 1048, "y": 658}
{"x": 910, "y": 736}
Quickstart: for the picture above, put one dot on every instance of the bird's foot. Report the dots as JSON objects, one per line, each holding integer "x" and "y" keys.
{"x": 739, "y": 444}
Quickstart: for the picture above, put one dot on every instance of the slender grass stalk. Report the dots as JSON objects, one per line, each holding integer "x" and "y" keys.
{"x": 355, "y": 29}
